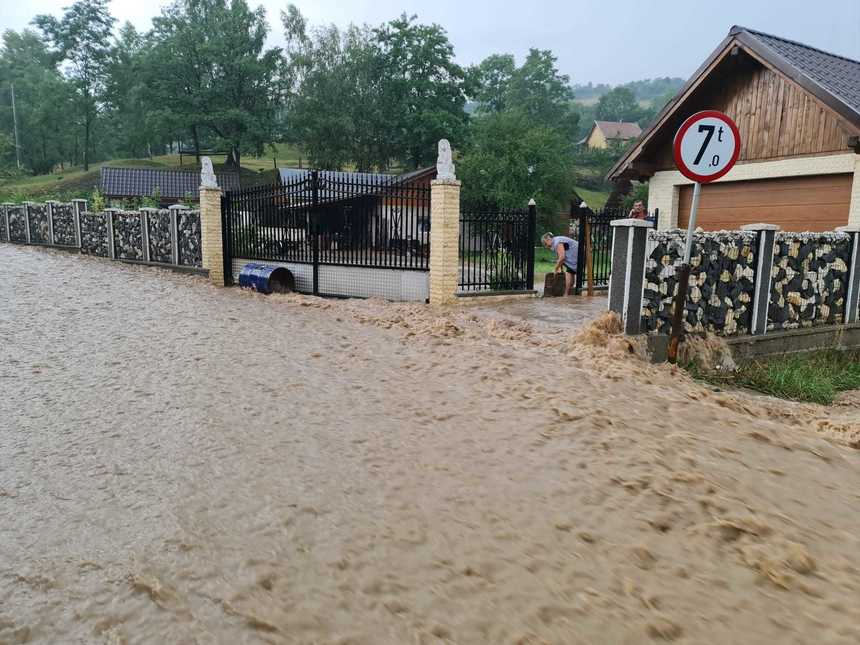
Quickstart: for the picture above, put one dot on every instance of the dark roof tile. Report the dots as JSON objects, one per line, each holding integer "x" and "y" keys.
{"x": 172, "y": 184}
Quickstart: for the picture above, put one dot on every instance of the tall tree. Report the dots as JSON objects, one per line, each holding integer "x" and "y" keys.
{"x": 126, "y": 95}
{"x": 81, "y": 38}
{"x": 510, "y": 159}
{"x": 618, "y": 104}
{"x": 490, "y": 81}
{"x": 539, "y": 91}
{"x": 423, "y": 87}
{"x": 42, "y": 99}
{"x": 211, "y": 74}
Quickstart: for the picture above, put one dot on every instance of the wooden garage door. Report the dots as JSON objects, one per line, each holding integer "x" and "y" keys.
{"x": 814, "y": 203}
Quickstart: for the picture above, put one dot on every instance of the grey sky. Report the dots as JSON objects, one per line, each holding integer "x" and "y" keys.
{"x": 598, "y": 41}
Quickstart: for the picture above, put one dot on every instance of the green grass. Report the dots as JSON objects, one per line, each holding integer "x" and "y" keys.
{"x": 814, "y": 377}
{"x": 596, "y": 199}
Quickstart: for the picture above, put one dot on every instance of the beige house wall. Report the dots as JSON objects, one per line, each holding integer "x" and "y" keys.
{"x": 596, "y": 140}
{"x": 664, "y": 186}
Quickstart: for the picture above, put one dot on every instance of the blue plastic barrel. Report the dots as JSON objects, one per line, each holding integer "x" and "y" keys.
{"x": 266, "y": 279}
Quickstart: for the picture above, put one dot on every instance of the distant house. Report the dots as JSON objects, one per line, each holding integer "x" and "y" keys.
{"x": 172, "y": 186}
{"x": 798, "y": 112}
{"x": 604, "y": 133}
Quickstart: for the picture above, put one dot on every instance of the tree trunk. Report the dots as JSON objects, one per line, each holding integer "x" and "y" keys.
{"x": 196, "y": 138}
{"x": 86, "y": 145}
{"x": 234, "y": 157}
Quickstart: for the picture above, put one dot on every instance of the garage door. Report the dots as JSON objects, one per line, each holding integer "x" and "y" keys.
{"x": 814, "y": 203}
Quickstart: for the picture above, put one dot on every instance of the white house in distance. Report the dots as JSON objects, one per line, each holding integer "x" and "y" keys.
{"x": 604, "y": 133}
{"x": 798, "y": 112}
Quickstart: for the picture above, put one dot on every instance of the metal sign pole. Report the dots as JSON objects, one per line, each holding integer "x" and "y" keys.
{"x": 683, "y": 280}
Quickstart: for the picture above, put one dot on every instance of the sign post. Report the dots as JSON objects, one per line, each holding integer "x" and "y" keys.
{"x": 706, "y": 147}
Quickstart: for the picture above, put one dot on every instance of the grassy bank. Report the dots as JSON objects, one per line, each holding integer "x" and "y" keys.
{"x": 816, "y": 377}
{"x": 73, "y": 182}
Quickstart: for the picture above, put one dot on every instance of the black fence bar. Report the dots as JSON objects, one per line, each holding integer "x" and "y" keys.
{"x": 333, "y": 218}
{"x": 497, "y": 251}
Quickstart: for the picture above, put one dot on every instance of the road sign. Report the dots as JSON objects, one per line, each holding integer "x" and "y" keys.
{"x": 707, "y": 145}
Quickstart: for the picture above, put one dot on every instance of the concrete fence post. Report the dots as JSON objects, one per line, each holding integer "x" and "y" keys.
{"x": 144, "y": 234}
{"x": 109, "y": 225}
{"x": 5, "y": 221}
{"x": 49, "y": 206}
{"x": 174, "y": 231}
{"x": 627, "y": 279}
{"x": 79, "y": 206}
{"x": 212, "y": 237}
{"x": 852, "y": 298}
{"x": 763, "y": 275}
{"x": 27, "y": 220}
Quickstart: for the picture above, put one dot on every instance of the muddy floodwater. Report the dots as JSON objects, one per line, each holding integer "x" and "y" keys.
{"x": 186, "y": 464}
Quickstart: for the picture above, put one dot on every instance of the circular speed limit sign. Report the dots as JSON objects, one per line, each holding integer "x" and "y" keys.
{"x": 707, "y": 145}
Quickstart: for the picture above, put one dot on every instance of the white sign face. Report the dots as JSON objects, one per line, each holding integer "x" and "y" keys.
{"x": 707, "y": 145}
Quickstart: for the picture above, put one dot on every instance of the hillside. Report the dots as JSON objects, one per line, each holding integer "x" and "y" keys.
{"x": 75, "y": 182}
{"x": 645, "y": 91}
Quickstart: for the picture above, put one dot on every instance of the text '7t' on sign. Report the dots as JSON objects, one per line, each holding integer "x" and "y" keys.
{"x": 707, "y": 145}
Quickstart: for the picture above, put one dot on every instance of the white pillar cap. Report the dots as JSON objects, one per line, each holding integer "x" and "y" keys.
{"x": 760, "y": 227}
{"x": 632, "y": 221}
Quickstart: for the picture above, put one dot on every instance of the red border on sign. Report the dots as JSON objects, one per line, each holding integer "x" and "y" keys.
{"x": 676, "y": 147}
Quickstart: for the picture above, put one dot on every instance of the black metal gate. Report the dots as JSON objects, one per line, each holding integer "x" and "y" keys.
{"x": 594, "y": 234}
{"x": 497, "y": 251}
{"x": 322, "y": 219}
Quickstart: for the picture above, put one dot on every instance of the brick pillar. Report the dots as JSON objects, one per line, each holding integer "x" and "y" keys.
{"x": 852, "y": 298}
{"x": 627, "y": 280}
{"x": 444, "y": 240}
{"x": 763, "y": 274}
{"x": 212, "y": 239}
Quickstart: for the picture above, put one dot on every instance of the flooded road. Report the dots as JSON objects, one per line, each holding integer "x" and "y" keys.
{"x": 186, "y": 464}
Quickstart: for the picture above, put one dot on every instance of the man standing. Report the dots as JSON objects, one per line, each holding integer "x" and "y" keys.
{"x": 638, "y": 211}
{"x": 566, "y": 251}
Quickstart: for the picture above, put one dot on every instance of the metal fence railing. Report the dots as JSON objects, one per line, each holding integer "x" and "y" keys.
{"x": 332, "y": 218}
{"x": 497, "y": 251}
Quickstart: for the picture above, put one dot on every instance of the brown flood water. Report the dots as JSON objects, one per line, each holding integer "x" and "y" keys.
{"x": 186, "y": 464}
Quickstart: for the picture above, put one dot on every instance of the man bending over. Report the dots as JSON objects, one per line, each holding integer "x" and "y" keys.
{"x": 566, "y": 251}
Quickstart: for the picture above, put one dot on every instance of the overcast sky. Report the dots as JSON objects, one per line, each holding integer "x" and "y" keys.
{"x": 599, "y": 41}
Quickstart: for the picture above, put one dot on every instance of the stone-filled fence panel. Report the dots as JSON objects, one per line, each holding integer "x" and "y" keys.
{"x": 17, "y": 223}
{"x": 722, "y": 282}
{"x": 127, "y": 235}
{"x": 160, "y": 236}
{"x": 39, "y": 230}
{"x": 190, "y": 251}
{"x": 809, "y": 281}
{"x": 63, "y": 216}
{"x": 94, "y": 234}
{"x": 171, "y": 237}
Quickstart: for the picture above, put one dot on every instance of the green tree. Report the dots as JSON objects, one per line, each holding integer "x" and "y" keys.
{"x": 510, "y": 160}
{"x": 81, "y": 38}
{"x": 210, "y": 74}
{"x": 542, "y": 94}
{"x": 42, "y": 101}
{"x": 490, "y": 81}
{"x": 424, "y": 90}
{"x": 126, "y": 95}
{"x": 618, "y": 104}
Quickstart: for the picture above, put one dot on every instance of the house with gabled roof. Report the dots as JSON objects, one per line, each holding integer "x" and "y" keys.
{"x": 798, "y": 112}
{"x": 605, "y": 133}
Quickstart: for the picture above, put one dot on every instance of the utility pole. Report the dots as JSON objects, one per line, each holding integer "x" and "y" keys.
{"x": 15, "y": 127}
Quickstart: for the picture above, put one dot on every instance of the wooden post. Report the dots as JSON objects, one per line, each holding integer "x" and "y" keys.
{"x": 589, "y": 268}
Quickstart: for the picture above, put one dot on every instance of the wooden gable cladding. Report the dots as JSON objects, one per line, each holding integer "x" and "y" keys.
{"x": 775, "y": 116}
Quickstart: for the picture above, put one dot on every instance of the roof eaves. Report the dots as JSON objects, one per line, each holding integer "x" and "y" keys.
{"x": 827, "y": 96}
